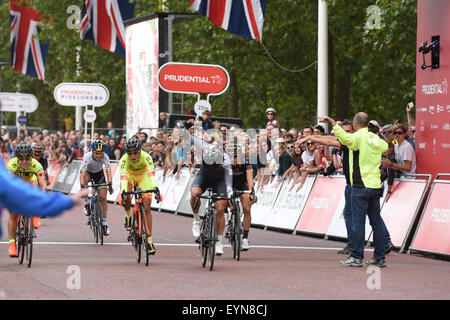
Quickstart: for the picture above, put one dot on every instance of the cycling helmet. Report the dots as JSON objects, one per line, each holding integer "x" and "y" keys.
{"x": 271, "y": 110}
{"x": 132, "y": 145}
{"x": 37, "y": 148}
{"x": 23, "y": 150}
{"x": 98, "y": 146}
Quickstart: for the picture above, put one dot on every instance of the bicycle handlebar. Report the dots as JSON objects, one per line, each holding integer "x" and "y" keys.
{"x": 138, "y": 192}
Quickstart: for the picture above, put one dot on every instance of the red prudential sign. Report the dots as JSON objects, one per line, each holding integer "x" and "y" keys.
{"x": 192, "y": 78}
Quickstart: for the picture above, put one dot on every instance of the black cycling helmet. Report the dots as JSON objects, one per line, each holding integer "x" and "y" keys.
{"x": 132, "y": 145}
{"x": 23, "y": 150}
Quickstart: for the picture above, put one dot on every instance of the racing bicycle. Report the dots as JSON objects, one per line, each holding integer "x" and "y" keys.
{"x": 208, "y": 229}
{"x": 24, "y": 239}
{"x": 138, "y": 233}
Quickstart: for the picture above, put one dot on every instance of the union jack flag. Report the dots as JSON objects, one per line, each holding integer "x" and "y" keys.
{"x": 244, "y": 18}
{"x": 28, "y": 54}
{"x": 103, "y": 22}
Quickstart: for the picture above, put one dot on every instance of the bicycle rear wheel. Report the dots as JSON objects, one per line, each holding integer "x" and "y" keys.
{"x": 29, "y": 242}
{"x": 212, "y": 239}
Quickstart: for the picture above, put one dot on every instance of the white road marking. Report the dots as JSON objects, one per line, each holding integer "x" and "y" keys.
{"x": 178, "y": 245}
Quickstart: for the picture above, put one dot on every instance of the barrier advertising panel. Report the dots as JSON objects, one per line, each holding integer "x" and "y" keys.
{"x": 185, "y": 203}
{"x": 159, "y": 181}
{"x": 266, "y": 199}
{"x": 338, "y": 228}
{"x": 174, "y": 193}
{"x": 67, "y": 177}
{"x": 289, "y": 205}
{"x": 398, "y": 214}
{"x": 53, "y": 171}
{"x": 433, "y": 231}
{"x": 321, "y": 205}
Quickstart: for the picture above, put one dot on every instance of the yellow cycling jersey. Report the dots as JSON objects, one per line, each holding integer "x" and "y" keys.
{"x": 145, "y": 162}
{"x": 34, "y": 169}
{"x": 142, "y": 172}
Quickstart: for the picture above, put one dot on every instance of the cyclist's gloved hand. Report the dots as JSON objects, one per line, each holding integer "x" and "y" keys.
{"x": 110, "y": 188}
{"x": 158, "y": 196}
{"x": 122, "y": 199}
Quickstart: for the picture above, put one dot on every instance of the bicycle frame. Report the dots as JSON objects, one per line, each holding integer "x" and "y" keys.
{"x": 235, "y": 229}
{"x": 208, "y": 233}
{"x": 24, "y": 239}
{"x": 96, "y": 216}
{"x": 139, "y": 234}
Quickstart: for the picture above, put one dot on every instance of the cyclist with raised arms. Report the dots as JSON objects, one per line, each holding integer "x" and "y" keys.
{"x": 243, "y": 181}
{"x": 26, "y": 167}
{"x": 92, "y": 169}
{"x": 136, "y": 166}
{"x": 215, "y": 171}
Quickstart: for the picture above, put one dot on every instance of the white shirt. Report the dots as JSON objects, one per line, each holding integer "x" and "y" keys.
{"x": 307, "y": 157}
{"x": 404, "y": 152}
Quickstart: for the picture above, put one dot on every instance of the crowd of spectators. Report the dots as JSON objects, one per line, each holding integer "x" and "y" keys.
{"x": 275, "y": 153}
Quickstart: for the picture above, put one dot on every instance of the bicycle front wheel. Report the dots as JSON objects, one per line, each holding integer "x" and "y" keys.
{"x": 144, "y": 234}
{"x": 135, "y": 238}
{"x": 99, "y": 219}
{"x": 20, "y": 239}
{"x": 204, "y": 238}
{"x": 29, "y": 241}
{"x": 212, "y": 239}
{"x": 237, "y": 233}
{"x": 94, "y": 220}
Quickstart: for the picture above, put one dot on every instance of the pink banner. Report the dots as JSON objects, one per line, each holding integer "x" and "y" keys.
{"x": 433, "y": 232}
{"x": 321, "y": 205}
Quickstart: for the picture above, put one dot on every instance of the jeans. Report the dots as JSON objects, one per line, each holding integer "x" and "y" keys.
{"x": 347, "y": 213}
{"x": 367, "y": 201}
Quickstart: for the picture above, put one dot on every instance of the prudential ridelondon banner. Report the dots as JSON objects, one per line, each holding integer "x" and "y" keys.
{"x": 141, "y": 72}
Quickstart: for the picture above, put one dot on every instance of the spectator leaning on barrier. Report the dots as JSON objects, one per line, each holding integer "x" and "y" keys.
{"x": 366, "y": 150}
{"x": 404, "y": 153}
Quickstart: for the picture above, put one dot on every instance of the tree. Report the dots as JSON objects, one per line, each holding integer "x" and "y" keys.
{"x": 372, "y": 69}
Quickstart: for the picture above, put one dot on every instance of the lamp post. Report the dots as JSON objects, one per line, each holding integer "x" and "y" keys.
{"x": 2, "y": 63}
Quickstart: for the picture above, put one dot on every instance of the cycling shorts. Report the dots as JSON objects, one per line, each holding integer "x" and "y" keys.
{"x": 143, "y": 179}
{"x": 217, "y": 183}
{"x": 98, "y": 177}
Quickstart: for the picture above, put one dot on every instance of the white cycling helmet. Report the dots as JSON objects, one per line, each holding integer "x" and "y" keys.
{"x": 271, "y": 110}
